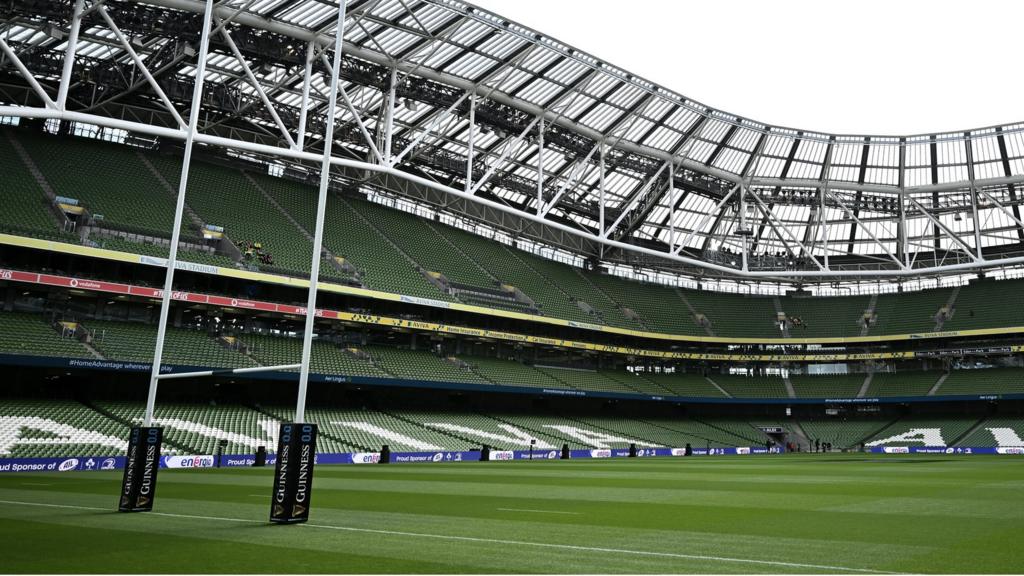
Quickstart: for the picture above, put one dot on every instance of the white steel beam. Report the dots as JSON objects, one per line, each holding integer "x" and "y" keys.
{"x": 69, "y": 55}
{"x": 772, "y": 221}
{"x": 867, "y": 229}
{"x": 435, "y": 122}
{"x": 359, "y": 124}
{"x": 255, "y": 83}
{"x": 509, "y": 145}
{"x": 636, "y": 198}
{"x": 945, "y": 229}
{"x": 25, "y": 73}
{"x": 704, "y": 221}
{"x": 127, "y": 46}
{"x": 575, "y": 174}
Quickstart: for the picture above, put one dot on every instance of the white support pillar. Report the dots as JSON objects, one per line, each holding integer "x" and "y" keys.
{"x": 743, "y": 224}
{"x": 823, "y": 221}
{"x": 321, "y": 208}
{"x": 69, "y": 56}
{"x": 540, "y": 165}
{"x": 904, "y": 244}
{"x": 190, "y": 134}
{"x": 671, "y": 206}
{"x": 600, "y": 201}
{"x": 300, "y": 141}
{"x": 389, "y": 118}
{"x": 975, "y": 217}
{"x": 472, "y": 137}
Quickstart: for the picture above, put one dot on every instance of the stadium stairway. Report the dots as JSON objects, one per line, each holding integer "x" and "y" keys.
{"x": 323, "y": 432}
{"x": 694, "y": 313}
{"x": 981, "y": 422}
{"x": 741, "y": 432}
{"x": 28, "y": 202}
{"x": 843, "y": 434}
{"x": 419, "y": 423}
{"x": 188, "y": 211}
{"x": 128, "y": 424}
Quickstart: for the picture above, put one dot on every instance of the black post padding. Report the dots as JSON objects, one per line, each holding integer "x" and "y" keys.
{"x": 261, "y": 456}
{"x": 221, "y": 445}
{"x": 138, "y": 487}
{"x": 485, "y": 453}
{"x": 293, "y": 474}
{"x": 565, "y": 451}
{"x": 632, "y": 450}
{"x": 385, "y": 454}
{"x": 688, "y": 450}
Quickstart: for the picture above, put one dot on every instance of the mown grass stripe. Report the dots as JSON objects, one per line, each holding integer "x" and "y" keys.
{"x": 450, "y": 537}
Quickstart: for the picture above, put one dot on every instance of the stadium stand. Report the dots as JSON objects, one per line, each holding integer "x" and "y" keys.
{"x": 659, "y": 307}
{"x": 982, "y": 304}
{"x": 162, "y": 251}
{"x": 992, "y": 433}
{"x": 26, "y": 209}
{"x": 510, "y": 372}
{"x": 909, "y": 312}
{"x": 197, "y": 429}
{"x": 735, "y": 314}
{"x": 419, "y": 365}
{"x": 844, "y": 433}
{"x": 682, "y": 384}
{"x": 936, "y": 432}
{"x": 581, "y": 379}
{"x": 384, "y": 247}
{"x": 223, "y": 197}
{"x": 40, "y": 428}
{"x": 903, "y": 383}
{"x": 135, "y": 342}
{"x": 384, "y": 268}
{"x": 830, "y": 386}
{"x": 488, "y": 429}
{"x": 815, "y": 317}
{"x": 983, "y": 381}
{"x": 54, "y": 428}
{"x": 428, "y": 249}
{"x": 31, "y": 334}
{"x": 107, "y": 179}
{"x": 751, "y": 386}
{"x": 326, "y": 357}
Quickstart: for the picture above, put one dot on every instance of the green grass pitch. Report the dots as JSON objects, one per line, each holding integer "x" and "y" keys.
{"x": 850, "y": 514}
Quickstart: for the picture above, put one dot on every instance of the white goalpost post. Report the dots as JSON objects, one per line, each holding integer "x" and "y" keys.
{"x": 297, "y": 440}
{"x": 296, "y": 454}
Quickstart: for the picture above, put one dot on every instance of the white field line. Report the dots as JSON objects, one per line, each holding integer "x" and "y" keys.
{"x": 489, "y": 540}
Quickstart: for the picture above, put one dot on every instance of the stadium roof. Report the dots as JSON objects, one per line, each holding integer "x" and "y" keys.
{"x": 684, "y": 185}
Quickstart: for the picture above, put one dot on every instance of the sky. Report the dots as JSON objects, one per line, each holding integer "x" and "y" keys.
{"x": 872, "y": 67}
